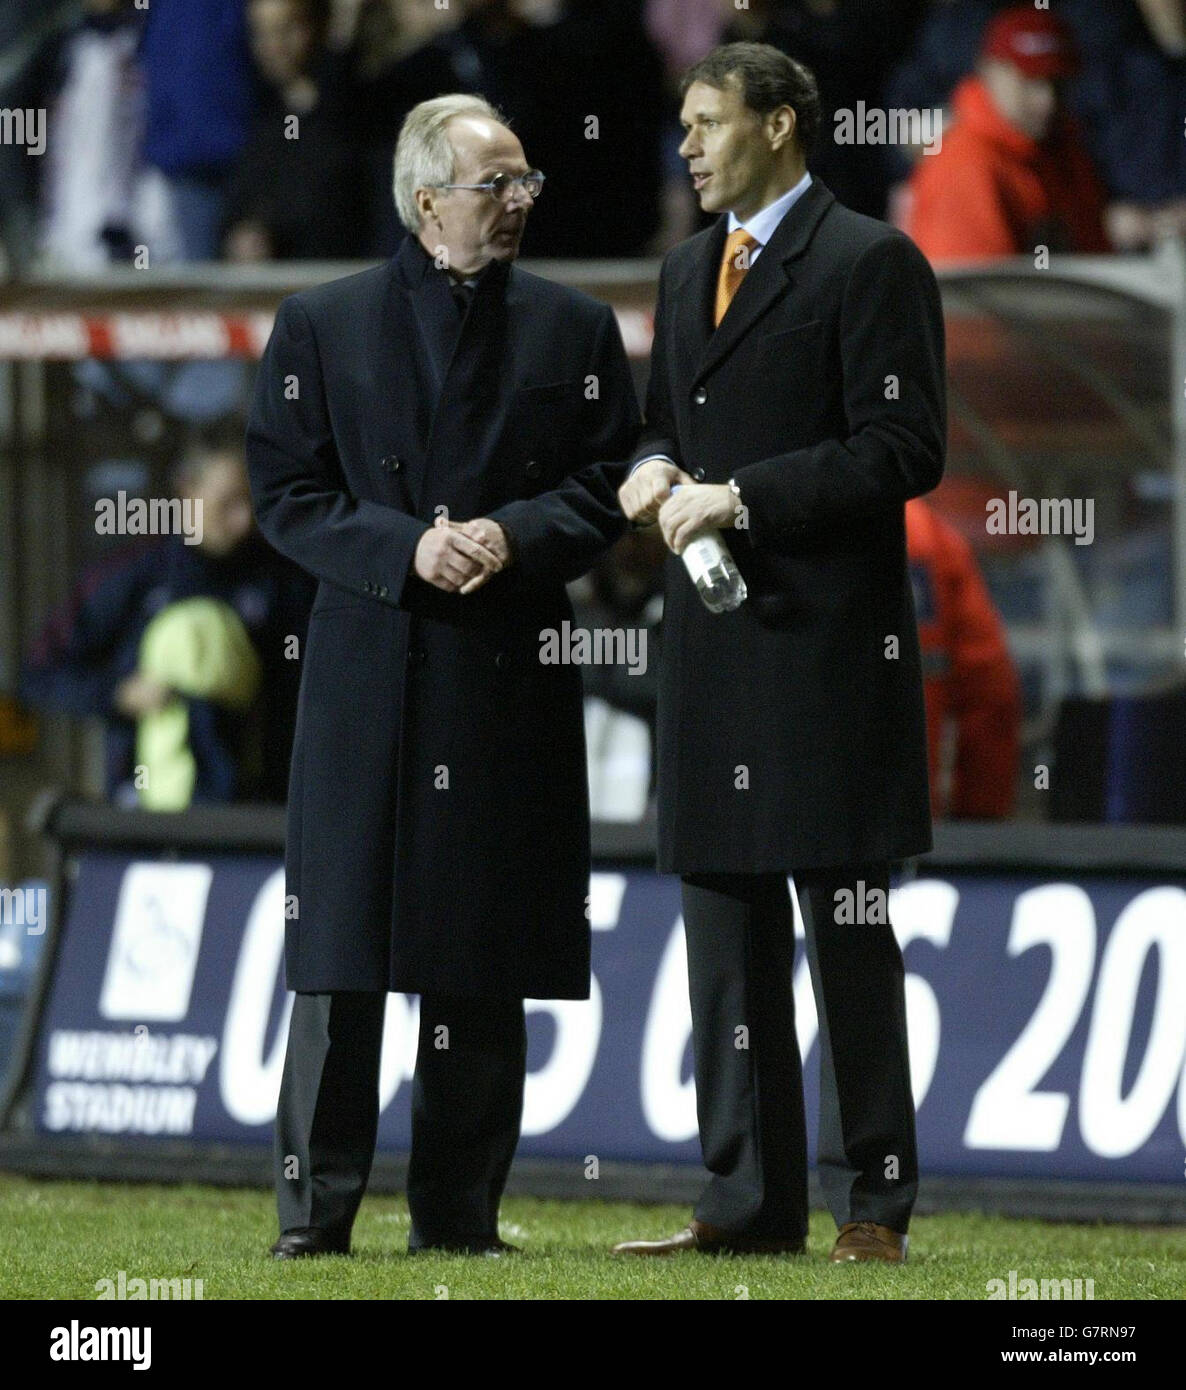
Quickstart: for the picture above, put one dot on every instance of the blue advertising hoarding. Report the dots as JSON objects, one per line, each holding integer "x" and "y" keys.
{"x": 1047, "y": 1024}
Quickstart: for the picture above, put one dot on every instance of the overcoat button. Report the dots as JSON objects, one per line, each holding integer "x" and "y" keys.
{"x": 382, "y": 590}
{"x": 533, "y": 469}
{"x": 502, "y": 661}
{"x": 701, "y": 396}
{"x": 368, "y": 587}
{"x": 698, "y": 474}
{"x": 415, "y": 656}
{"x": 391, "y": 464}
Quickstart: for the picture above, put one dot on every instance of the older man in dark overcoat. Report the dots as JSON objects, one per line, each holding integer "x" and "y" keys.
{"x": 427, "y": 439}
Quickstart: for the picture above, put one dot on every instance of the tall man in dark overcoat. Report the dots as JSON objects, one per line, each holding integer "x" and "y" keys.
{"x": 797, "y": 395}
{"x": 426, "y": 439}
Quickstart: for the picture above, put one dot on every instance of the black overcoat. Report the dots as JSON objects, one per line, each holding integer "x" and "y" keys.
{"x": 791, "y": 731}
{"x": 438, "y": 834}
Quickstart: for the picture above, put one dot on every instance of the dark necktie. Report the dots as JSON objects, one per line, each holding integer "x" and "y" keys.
{"x": 462, "y": 296}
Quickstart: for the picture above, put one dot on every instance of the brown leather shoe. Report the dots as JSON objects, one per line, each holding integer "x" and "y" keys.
{"x": 866, "y": 1240}
{"x": 708, "y": 1240}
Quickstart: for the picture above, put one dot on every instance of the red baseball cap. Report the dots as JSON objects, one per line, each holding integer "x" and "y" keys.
{"x": 1035, "y": 41}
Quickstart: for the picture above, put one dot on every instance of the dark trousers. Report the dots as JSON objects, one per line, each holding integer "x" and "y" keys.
{"x": 467, "y": 1103}
{"x": 749, "y": 1082}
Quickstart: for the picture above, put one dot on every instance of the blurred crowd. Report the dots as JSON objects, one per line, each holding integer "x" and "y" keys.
{"x": 186, "y": 645}
{"x": 257, "y": 130}
{"x": 253, "y": 130}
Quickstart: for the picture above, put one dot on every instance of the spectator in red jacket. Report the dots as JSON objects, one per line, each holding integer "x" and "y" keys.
{"x": 969, "y": 677}
{"x": 1013, "y": 172}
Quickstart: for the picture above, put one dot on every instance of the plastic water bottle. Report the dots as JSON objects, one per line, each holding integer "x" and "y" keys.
{"x": 713, "y": 570}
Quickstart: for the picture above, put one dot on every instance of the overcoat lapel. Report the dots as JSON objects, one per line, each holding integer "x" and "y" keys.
{"x": 407, "y": 374}
{"x": 472, "y": 385}
{"x": 456, "y": 364}
{"x": 767, "y": 280}
{"x": 472, "y": 405}
{"x": 695, "y": 298}
{"x": 433, "y": 313}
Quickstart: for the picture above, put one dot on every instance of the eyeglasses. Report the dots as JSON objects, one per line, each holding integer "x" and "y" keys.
{"x": 500, "y": 185}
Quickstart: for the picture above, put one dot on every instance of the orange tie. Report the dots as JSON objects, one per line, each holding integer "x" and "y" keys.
{"x": 739, "y": 247}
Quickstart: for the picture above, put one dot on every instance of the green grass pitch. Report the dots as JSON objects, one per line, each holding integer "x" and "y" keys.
{"x": 62, "y": 1238}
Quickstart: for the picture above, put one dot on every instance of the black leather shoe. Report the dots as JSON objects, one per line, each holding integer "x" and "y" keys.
{"x": 309, "y": 1240}
{"x": 493, "y": 1248}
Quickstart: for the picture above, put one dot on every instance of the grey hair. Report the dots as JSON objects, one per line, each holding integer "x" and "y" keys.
{"x": 423, "y": 155}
